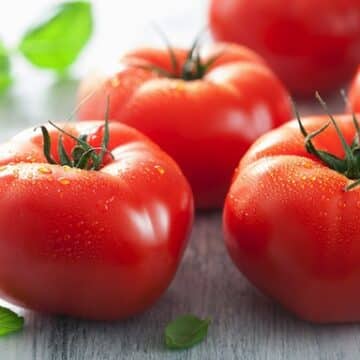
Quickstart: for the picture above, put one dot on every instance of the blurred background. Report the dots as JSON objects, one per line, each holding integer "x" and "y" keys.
{"x": 38, "y": 95}
{"x": 312, "y": 45}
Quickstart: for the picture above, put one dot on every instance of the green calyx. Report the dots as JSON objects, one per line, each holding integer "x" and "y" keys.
{"x": 83, "y": 155}
{"x": 350, "y": 164}
{"x": 194, "y": 68}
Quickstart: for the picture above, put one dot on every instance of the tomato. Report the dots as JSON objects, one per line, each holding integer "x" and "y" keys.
{"x": 292, "y": 222}
{"x": 311, "y": 45}
{"x": 354, "y": 94}
{"x": 92, "y": 244}
{"x": 204, "y": 115}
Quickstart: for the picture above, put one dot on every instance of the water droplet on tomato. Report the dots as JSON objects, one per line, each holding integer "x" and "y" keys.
{"x": 160, "y": 169}
{"x": 64, "y": 181}
{"x": 115, "y": 82}
{"x": 307, "y": 165}
{"x": 44, "y": 170}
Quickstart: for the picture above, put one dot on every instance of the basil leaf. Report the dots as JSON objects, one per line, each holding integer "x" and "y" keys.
{"x": 5, "y": 74}
{"x": 57, "y": 41}
{"x": 185, "y": 331}
{"x": 9, "y": 321}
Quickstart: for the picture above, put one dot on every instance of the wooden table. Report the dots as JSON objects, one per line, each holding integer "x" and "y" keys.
{"x": 245, "y": 324}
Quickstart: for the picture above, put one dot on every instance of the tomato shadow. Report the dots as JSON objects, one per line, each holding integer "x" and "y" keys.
{"x": 13, "y": 114}
{"x": 311, "y": 106}
{"x": 61, "y": 97}
{"x": 25, "y": 106}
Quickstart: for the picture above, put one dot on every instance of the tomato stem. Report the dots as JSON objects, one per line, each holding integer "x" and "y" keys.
{"x": 350, "y": 164}
{"x": 174, "y": 61}
{"x": 194, "y": 68}
{"x": 83, "y": 155}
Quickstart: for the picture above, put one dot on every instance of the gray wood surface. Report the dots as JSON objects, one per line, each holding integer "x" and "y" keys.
{"x": 245, "y": 324}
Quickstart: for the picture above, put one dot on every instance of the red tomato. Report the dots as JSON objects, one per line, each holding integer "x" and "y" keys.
{"x": 94, "y": 244}
{"x": 291, "y": 226}
{"x": 311, "y": 44}
{"x": 205, "y": 122}
{"x": 354, "y": 95}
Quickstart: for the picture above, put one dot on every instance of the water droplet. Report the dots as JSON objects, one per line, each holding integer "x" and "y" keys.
{"x": 115, "y": 82}
{"x": 64, "y": 181}
{"x": 178, "y": 85}
{"x": 30, "y": 158}
{"x": 160, "y": 169}
{"x": 44, "y": 170}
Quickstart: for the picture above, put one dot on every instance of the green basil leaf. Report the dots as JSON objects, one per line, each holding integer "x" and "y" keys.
{"x": 9, "y": 321}
{"x": 186, "y": 331}
{"x": 58, "y": 40}
{"x": 5, "y": 72}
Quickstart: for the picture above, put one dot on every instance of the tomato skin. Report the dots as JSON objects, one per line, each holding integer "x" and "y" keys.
{"x": 205, "y": 125}
{"x": 291, "y": 228}
{"x": 354, "y": 94}
{"x": 99, "y": 245}
{"x": 311, "y": 45}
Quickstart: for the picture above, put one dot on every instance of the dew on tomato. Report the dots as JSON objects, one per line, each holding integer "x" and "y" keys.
{"x": 99, "y": 263}
{"x": 44, "y": 170}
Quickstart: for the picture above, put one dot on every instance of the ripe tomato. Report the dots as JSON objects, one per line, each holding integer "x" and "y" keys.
{"x": 311, "y": 45}
{"x": 94, "y": 244}
{"x": 354, "y": 95}
{"x": 204, "y": 111}
{"x": 291, "y": 225}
